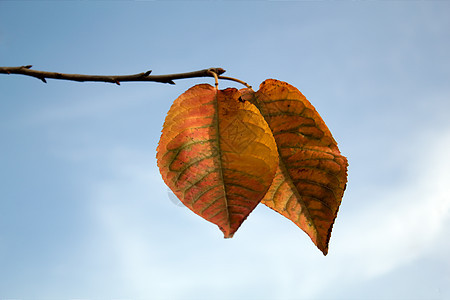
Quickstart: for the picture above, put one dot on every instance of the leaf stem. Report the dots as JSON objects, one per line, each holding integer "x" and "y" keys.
{"x": 216, "y": 78}
{"x": 236, "y": 80}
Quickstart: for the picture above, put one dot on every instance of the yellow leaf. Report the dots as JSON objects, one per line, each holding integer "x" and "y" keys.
{"x": 217, "y": 154}
{"x": 312, "y": 174}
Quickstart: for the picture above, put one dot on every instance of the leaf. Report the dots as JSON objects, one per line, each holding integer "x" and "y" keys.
{"x": 312, "y": 174}
{"x": 217, "y": 154}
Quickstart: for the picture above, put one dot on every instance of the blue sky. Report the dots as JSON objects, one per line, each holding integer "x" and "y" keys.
{"x": 86, "y": 215}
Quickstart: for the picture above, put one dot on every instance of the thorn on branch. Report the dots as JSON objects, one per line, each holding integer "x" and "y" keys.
{"x": 170, "y": 82}
{"x": 43, "y": 79}
{"x": 147, "y": 73}
{"x": 117, "y": 82}
{"x": 28, "y": 66}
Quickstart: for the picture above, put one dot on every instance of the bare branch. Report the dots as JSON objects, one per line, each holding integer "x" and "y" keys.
{"x": 117, "y": 79}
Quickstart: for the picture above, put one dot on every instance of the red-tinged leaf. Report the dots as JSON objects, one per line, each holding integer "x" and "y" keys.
{"x": 217, "y": 154}
{"x": 312, "y": 174}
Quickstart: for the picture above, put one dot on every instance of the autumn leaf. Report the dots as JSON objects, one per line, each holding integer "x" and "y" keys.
{"x": 312, "y": 174}
{"x": 217, "y": 154}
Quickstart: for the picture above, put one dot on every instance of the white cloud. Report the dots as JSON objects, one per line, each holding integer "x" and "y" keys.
{"x": 396, "y": 226}
{"x": 269, "y": 258}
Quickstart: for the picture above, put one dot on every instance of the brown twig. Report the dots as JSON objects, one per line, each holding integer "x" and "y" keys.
{"x": 117, "y": 79}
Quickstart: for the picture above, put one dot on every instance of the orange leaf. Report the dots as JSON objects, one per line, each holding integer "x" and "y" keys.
{"x": 217, "y": 154}
{"x": 312, "y": 174}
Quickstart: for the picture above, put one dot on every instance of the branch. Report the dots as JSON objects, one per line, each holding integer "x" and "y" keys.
{"x": 117, "y": 79}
